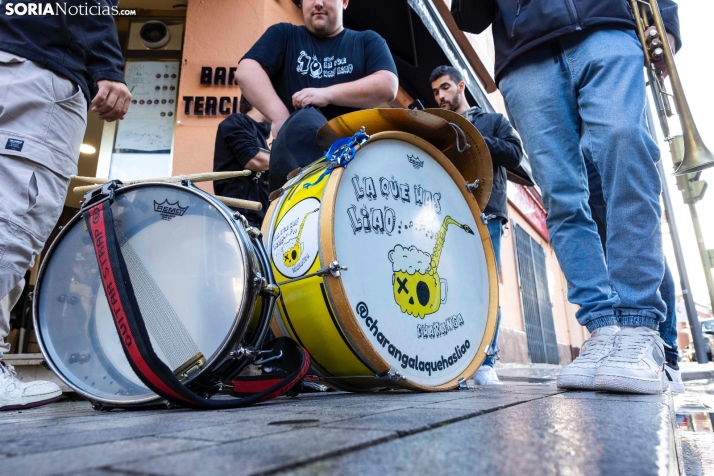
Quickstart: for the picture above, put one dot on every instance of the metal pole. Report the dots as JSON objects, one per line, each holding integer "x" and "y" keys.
{"x": 695, "y": 327}
{"x": 703, "y": 253}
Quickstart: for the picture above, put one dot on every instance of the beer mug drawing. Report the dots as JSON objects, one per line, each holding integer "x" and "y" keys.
{"x": 294, "y": 248}
{"x": 418, "y": 289}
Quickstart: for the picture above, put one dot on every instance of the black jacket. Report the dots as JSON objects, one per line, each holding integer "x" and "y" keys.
{"x": 238, "y": 140}
{"x": 506, "y": 153}
{"x": 520, "y": 26}
{"x": 82, "y": 48}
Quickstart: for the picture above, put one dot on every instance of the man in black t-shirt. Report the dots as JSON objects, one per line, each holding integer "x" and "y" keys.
{"x": 323, "y": 65}
{"x": 241, "y": 144}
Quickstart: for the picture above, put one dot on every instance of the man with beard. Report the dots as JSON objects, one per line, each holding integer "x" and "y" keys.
{"x": 448, "y": 87}
{"x": 299, "y": 77}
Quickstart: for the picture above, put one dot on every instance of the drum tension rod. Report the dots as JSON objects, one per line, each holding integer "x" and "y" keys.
{"x": 253, "y": 355}
{"x": 391, "y": 374}
{"x": 334, "y": 268}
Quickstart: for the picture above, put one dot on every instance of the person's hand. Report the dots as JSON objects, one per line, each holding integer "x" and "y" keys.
{"x": 660, "y": 66}
{"x": 112, "y": 100}
{"x": 275, "y": 126}
{"x": 318, "y": 97}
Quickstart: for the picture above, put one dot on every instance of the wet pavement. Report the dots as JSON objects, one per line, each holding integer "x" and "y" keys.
{"x": 695, "y": 419}
{"x": 525, "y": 427}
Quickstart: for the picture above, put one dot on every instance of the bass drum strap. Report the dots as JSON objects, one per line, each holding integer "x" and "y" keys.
{"x": 153, "y": 372}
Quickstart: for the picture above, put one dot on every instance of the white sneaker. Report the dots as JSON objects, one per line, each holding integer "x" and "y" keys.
{"x": 486, "y": 375}
{"x": 16, "y": 395}
{"x": 636, "y": 364}
{"x": 674, "y": 377}
{"x": 579, "y": 374}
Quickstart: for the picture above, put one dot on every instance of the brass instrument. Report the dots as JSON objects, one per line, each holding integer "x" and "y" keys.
{"x": 656, "y": 46}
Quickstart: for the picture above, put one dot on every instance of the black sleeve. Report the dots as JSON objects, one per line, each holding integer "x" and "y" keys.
{"x": 377, "y": 56}
{"x": 504, "y": 146}
{"x": 240, "y": 139}
{"x": 269, "y": 50}
{"x": 670, "y": 17}
{"x": 473, "y": 16}
{"x": 103, "y": 58}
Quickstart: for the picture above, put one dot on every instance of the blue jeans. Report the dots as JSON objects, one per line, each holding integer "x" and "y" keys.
{"x": 495, "y": 230}
{"x": 668, "y": 328}
{"x": 585, "y": 95}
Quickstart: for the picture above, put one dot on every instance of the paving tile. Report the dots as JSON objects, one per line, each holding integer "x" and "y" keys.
{"x": 258, "y": 455}
{"x": 402, "y": 421}
{"x": 72, "y": 460}
{"x": 542, "y": 437}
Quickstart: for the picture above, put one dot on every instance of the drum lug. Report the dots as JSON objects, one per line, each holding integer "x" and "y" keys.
{"x": 253, "y": 232}
{"x": 486, "y": 218}
{"x": 271, "y": 290}
{"x": 391, "y": 374}
{"x": 334, "y": 268}
{"x": 472, "y": 186}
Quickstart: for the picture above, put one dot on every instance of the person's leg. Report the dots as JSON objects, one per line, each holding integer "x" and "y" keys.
{"x": 542, "y": 103}
{"x": 606, "y": 65}
{"x": 44, "y": 118}
{"x": 541, "y": 98}
{"x": 486, "y": 375}
{"x": 296, "y": 145}
{"x": 668, "y": 328}
{"x": 6, "y": 305}
{"x": 611, "y": 99}
{"x": 495, "y": 230}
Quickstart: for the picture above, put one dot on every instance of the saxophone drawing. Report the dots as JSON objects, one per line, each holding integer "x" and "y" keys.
{"x": 293, "y": 254}
{"x": 416, "y": 282}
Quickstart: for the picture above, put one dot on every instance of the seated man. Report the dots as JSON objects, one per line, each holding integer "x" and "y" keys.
{"x": 449, "y": 89}
{"x": 321, "y": 64}
{"x": 241, "y": 144}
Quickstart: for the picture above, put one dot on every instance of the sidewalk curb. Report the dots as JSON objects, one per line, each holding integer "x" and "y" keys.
{"x": 676, "y": 460}
{"x": 698, "y": 375}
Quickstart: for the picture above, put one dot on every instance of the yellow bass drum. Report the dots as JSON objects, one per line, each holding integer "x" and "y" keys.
{"x": 386, "y": 270}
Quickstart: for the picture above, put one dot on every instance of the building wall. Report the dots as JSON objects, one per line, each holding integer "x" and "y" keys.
{"x": 218, "y": 33}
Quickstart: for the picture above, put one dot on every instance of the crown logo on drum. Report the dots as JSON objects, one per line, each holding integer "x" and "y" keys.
{"x": 167, "y": 208}
{"x": 414, "y": 160}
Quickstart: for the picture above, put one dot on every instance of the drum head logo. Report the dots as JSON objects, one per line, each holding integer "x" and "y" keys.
{"x": 414, "y": 160}
{"x": 295, "y": 241}
{"x": 418, "y": 289}
{"x": 169, "y": 210}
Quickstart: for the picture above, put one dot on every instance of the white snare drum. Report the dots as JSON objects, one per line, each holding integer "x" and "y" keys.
{"x": 192, "y": 266}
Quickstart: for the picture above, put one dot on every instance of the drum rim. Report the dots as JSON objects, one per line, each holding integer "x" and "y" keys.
{"x": 337, "y": 293}
{"x": 235, "y": 335}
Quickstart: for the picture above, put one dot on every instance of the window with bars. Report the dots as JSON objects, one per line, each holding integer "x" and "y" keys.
{"x": 535, "y": 299}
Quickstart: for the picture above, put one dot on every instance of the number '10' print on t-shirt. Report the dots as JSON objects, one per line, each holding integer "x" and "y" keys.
{"x": 328, "y": 68}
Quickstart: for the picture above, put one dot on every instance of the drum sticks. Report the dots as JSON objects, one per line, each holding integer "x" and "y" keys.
{"x": 202, "y": 177}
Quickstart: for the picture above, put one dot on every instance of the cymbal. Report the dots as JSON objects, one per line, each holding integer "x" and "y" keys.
{"x": 432, "y": 125}
{"x": 474, "y": 163}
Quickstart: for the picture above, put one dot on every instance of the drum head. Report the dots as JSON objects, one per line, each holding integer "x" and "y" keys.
{"x": 188, "y": 269}
{"x": 421, "y": 271}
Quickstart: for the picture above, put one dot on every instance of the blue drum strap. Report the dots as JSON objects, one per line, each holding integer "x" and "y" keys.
{"x": 292, "y": 360}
